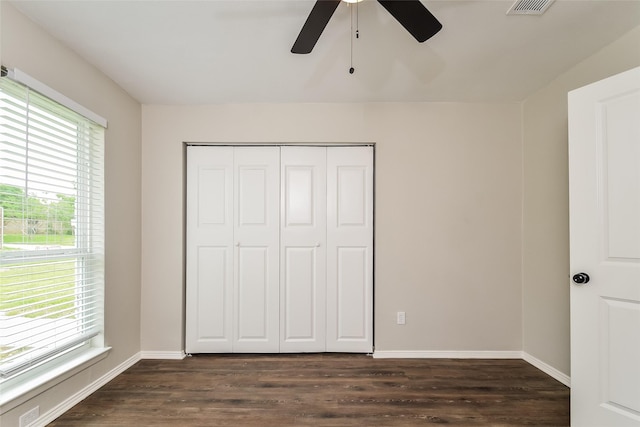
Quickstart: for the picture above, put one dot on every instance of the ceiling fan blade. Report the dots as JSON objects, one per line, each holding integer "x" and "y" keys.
{"x": 413, "y": 16}
{"x": 313, "y": 27}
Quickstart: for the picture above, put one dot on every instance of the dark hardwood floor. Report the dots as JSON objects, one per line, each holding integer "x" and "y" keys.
{"x": 324, "y": 390}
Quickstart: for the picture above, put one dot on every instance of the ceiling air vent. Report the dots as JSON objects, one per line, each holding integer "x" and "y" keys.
{"x": 529, "y": 7}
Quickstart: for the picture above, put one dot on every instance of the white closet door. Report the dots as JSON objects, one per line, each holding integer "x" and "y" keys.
{"x": 257, "y": 241}
{"x": 350, "y": 249}
{"x": 209, "y": 269}
{"x": 303, "y": 249}
{"x": 279, "y": 249}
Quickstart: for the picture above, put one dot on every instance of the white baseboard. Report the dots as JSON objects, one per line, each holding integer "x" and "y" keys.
{"x": 447, "y": 354}
{"x": 549, "y": 370}
{"x": 71, "y": 401}
{"x": 168, "y": 355}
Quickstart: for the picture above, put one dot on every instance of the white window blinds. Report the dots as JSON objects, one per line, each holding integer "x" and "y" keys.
{"x": 52, "y": 229}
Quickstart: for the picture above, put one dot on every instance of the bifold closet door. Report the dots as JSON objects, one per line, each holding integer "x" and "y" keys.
{"x": 279, "y": 249}
{"x": 257, "y": 252}
{"x": 233, "y": 249}
{"x": 210, "y": 250}
{"x": 303, "y": 240}
{"x": 349, "y": 249}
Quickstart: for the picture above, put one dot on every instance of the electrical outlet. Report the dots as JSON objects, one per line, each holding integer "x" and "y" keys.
{"x": 401, "y": 318}
{"x": 29, "y": 417}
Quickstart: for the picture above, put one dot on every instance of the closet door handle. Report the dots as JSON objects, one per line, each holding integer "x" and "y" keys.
{"x": 318, "y": 245}
{"x": 237, "y": 244}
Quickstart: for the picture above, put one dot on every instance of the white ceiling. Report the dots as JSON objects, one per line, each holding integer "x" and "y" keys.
{"x": 226, "y": 51}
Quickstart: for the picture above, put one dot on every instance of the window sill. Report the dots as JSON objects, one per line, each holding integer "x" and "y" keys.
{"x": 14, "y": 395}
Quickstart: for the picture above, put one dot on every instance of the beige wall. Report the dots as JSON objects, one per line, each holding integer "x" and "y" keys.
{"x": 448, "y": 213}
{"x": 25, "y": 46}
{"x": 546, "y": 202}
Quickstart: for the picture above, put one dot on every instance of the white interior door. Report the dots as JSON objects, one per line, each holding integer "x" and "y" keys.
{"x": 209, "y": 264}
{"x": 350, "y": 249}
{"x": 604, "y": 153}
{"x": 303, "y": 249}
{"x": 257, "y": 249}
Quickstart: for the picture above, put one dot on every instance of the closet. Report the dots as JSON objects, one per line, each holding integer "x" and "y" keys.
{"x": 279, "y": 249}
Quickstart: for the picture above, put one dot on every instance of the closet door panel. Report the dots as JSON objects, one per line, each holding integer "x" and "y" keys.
{"x": 210, "y": 296}
{"x": 351, "y": 293}
{"x": 350, "y": 249}
{"x": 209, "y": 266}
{"x": 257, "y": 243}
{"x": 253, "y": 192}
{"x": 300, "y": 296}
{"x": 303, "y": 249}
{"x": 253, "y": 294}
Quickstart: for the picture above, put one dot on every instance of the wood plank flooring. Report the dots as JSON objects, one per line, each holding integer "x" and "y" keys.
{"x": 324, "y": 390}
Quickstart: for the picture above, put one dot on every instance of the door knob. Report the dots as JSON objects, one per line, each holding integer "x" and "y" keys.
{"x": 581, "y": 278}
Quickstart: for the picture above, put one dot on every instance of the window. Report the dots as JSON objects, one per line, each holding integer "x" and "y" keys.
{"x": 52, "y": 246}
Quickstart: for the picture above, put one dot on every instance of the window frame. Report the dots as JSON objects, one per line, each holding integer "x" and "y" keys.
{"x": 60, "y": 363}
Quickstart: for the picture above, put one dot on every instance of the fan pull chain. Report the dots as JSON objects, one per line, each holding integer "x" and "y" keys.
{"x": 357, "y": 21}
{"x": 351, "y": 69}
{"x": 357, "y": 33}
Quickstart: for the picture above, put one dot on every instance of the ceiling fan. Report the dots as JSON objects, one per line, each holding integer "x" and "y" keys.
{"x": 412, "y": 14}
